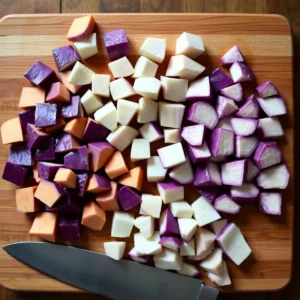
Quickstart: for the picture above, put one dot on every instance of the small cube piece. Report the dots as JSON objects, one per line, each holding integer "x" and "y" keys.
{"x": 31, "y": 96}
{"x": 94, "y": 132}
{"x": 140, "y": 149}
{"x": 144, "y": 67}
{"x": 20, "y": 154}
{"x": 250, "y": 109}
{"x": 190, "y": 45}
{"x": 222, "y": 142}
{"x": 27, "y": 116}
{"x": 234, "y": 92}
{"x": 115, "y": 166}
{"x": 81, "y": 28}
{"x": 122, "y": 224}
{"x": 275, "y": 177}
{"x": 100, "y": 85}
{"x": 99, "y": 153}
{"x": 147, "y": 246}
{"x": 172, "y": 136}
{"x": 114, "y": 250}
{"x": 98, "y": 183}
{"x": 207, "y": 175}
{"x": 199, "y": 89}
{"x": 171, "y": 156}
{"x": 269, "y": 128}
{"x": 11, "y": 131}
{"x": 126, "y": 111}
{"x": 267, "y": 154}
{"x": 93, "y": 216}
{"x": 76, "y": 127}
{"x": 69, "y": 228}
{"x": 272, "y": 106}
{"x": 225, "y": 107}
{"x": 168, "y": 260}
{"x": 220, "y": 80}
{"x": 181, "y": 209}
{"x": 232, "y": 55}
{"x": 234, "y": 172}
{"x": 151, "y": 205}
{"x": 146, "y": 225}
{"x": 155, "y": 170}
{"x": 107, "y": 116}
{"x": 65, "y": 143}
{"x": 58, "y": 93}
{"x": 25, "y": 200}
{"x": 218, "y": 226}
{"x": 194, "y": 135}
{"x": 121, "y": 67}
{"x": 121, "y": 89}
{"x": 47, "y": 170}
{"x": 128, "y": 198}
{"x": 174, "y": 89}
{"x": 134, "y": 178}
{"x": 45, "y": 115}
{"x": 151, "y": 132}
{"x": 91, "y": 102}
{"x": 147, "y": 110}
{"x": 267, "y": 89}
{"x": 80, "y": 75}
{"x": 36, "y": 137}
{"x": 64, "y": 76}
{"x": 108, "y": 200}
{"x": 171, "y": 114}
{"x": 241, "y": 72}
{"x": 66, "y": 178}
{"x": 154, "y": 49}
{"x": 65, "y": 57}
{"x": 15, "y": 174}
{"x": 204, "y": 242}
{"x": 148, "y": 87}
{"x": 198, "y": 154}
{"x": 48, "y": 192}
{"x": 170, "y": 191}
{"x": 270, "y": 203}
{"x": 60, "y": 124}
{"x": 87, "y": 47}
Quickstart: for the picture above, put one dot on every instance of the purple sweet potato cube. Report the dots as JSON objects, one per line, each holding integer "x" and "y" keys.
{"x": 47, "y": 170}
{"x": 73, "y": 109}
{"x": 15, "y": 174}
{"x": 66, "y": 142}
{"x": 95, "y": 132}
{"x": 40, "y": 74}
{"x": 128, "y": 198}
{"x": 46, "y": 151}
{"x": 78, "y": 159}
{"x": 116, "y": 44}
{"x": 207, "y": 175}
{"x": 26, "y": 117}
{"x": 168, "y": 224}
{"x": 69, "y": 228}
{"x": 220, "y": 80}
{"x": 20, "y": 154}
{"x": 45, "y": 114}
{"x": 35, "y": 137}
{"x": 98, "y": 183}
{"x": 65, "y": 57}
{"x": 81, "y": 183}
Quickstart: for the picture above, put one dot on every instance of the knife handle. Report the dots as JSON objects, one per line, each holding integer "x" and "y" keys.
{"x": 208, "y": 293}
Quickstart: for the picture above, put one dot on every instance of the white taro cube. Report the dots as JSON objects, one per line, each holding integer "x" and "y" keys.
{"x": 172, "y": 155}
{"x": 144, "y": 67}
{"x": 126, "y": 111}
{"x": 151, "y": 205}
{"x": 87, "y": 47}
{"x": 148, "y": 246}
{"x": 148, "y": 87}
{"x": 122, "y": 137}
{"x": 188, "y": 248}
{"x": 214, "y": 262}
{"x": 218, "y": 225}
{"x": 150, "y": 132}
{"x": 168, "y": 260}
{"x": 107, "y": 116}
{"x": 121, "y": 67}
{"x": 91, "y": 102}
{"x": 80, "y": 74}
{"x": 140, "y": 149}
{"x": 171, "y": 114}
{"x": 147, "y": 110}
{"x": 181, "y": 209}
{"x": 174, "y": 89}
{"x": 115, "y": 250}
{"x": 190, "y": 45}
{"x": 122, "y": 224}
{"x": 204, "y": 242}
{"x": 172, "y": 136}
{"x": 155, "y": 170}
{"x": 120, "y": 89}
{"x": 145, "y": 224}
{"x": 170, "y": 191}
{"x": 100, "y": 85}
{"x": 154, "y": 49}
{"x": 187, "y": 228}
{"x": 188, "y": 270}
{"x": 183, "y": 67}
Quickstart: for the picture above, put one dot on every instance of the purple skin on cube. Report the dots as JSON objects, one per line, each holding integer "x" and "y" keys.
{"x": 128, "y": 198}
{"x": 78, "y": 159}
{"x": 81, "y": 183}
{"x": 95, "y": 132}
{"x": 48, "y": 170}
{"x": 220, "y": 80}
{"x": 65, "y": 57}
{"x": 63, "y": 142}
{"x": 267, "y": 89}
{"x": 69, "y": 228}
{"x": 45, "y": 114}
{"x": 35, "y": 138}
{"x": 15, "y": 174}
{"x": 20, "y": 154}
{"x": 203, "y": 176}
{"x": 116, "y": 44}
{"x": 27, "y": 116}
{"x": 72, "y": 109}
{"x": 170, "y": 224}
{"x": 46, "y": 151}
{"x": 209, "y": 194}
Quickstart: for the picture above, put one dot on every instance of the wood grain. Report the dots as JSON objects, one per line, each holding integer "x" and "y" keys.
{"x": 266, "y": 270}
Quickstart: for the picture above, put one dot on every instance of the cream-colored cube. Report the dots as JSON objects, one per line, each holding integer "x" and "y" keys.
{"x": 144, "y": 67}
{"x": 107, "y": 116}
{"x": 148, "y": 87}
{"x": 91, "y": 102}
{"x": 140, "y": 149}
{"x": 190, "y": 45}
{"x": 172, "y": 136}
{"x": 126, "y": 111}
{"x": 171, "y": 114}
{"x": 122, "y": 224}
{"x": 115, "y": 250}
{"x": 147, "y": 111}
{"x": 155, "y": 170}
{"x": 100, "y": 85}
{"x": 121, "y": 89}
{"x": 154, "y": 49}
{"x": 151, "y": 205}
{"x": 121, "y": 67}
{"x": 87, "y": 47}
{"x": 80, "y": 75}
{"x": 174, "y": 89}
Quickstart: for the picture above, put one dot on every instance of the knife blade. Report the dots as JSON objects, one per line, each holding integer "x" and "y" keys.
{"x": 99, "y": 274}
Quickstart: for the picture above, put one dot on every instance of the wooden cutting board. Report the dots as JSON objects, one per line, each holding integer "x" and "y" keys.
{"x": 266, "y": 42}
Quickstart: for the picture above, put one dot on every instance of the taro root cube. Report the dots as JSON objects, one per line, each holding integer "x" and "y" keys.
{"x": 69, "y": 228}
{"x": 45, "y": 226}
{"x": 80, "y": 75}
{"x": 115, "y": 250}
{"x": 98, "y": 183}
{"x": 30, "y": 96}
{"x": 207, "y": 175}
{"x": 241, "y": 72}
{"x": 48, "y": 192}
{"x": 100, "y": 85}
{"x": 140, "y": 150}
{"x": 155, "y": 170}
{"x": 154, "y": 49}
{"x": 15, "y": 174}
{"x": 170, "y": 191}
{"x": 66, "y": 178}
{"x": 121, "y": 89}
{"x": 147, "y": 87}
{"x": 220, "y": 80}
{"x": 190, "y": 45}
{"x": 232, "y": 55}
{"x": 40, "y": 74}
{"x": 58, "y": 93}
{"x": 151, "y": 132}
{"x": 147, "y": 110}
{"x": 81, "y": 28}
{"x": 267, "y": 89}
{"x": 25, "y": 200}
{"x": 36, "y": 137}
{"x": 170, "y": 114}
{"x": 116, "y": 44}
{"x": 172, "y": 136}
{"x": 20, "y": 154}
{"x": 126, "y": 111}
{"x": 93, "y": 216}
{"x": 222, "y": 142}
{"x": 122, "y": 224}
{"x": 121, "y": 67}
{"x": 11, "y": 131}
{"x": 45, "y": 114}
{"x": 91, "y": 102}
{"x": 107, "y": 116}
{"x": 65, "y": 57}
{"x": 171, "y": 156}
{"x": 72, "y": 109}
{"x": 174, "y": 89}
{"x": 144, "y": 67}
{"x": 87, "y": 47}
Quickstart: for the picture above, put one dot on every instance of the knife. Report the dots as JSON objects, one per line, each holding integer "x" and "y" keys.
{"x": 99, "y": 274}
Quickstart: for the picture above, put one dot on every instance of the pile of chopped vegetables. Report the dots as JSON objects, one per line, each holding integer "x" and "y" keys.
{"x": 67, "y": 144}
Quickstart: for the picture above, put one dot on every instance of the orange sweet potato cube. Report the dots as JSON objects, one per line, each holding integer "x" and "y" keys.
{"x": 25, "y": 200}
{"x": 30, "y": 96}
{"x": 58, "y": 93}
{"x": 11, "y": 131}
{"x": 58, "y": 126}
{"x": 115, "y": 166}
{"x": 93, "y": 216}
{"x": 76, "y": 127}
{"x": 134, "y": 178}
{"x": 71, "y": 87}
{"x": 66, "y": 178}
{"x": 108, "y": 200}
{"x": 48, "y": 192}
{"x": 45, "y": 226}
{"x": 81, "y": 28}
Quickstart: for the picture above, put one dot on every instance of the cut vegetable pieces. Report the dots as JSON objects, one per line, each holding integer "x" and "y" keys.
{"x": 91, "y": 102}
{"x": 98, "y": 183}
{"x": 126, "y": 111}
{"x": 246, "y": 192}
{"x": 148, "y": 246}
{"x": 122, "y": 224}
{"x": 140, "y": 149}
{"x": 250, "y": 109}
{"x": 168, "y": 224}
{"x": 99, "y": 153}
{"x": 267, "y": 154}
{"x": 174, "y": 89}
{"x": 93, "y": 216}
{"x": 190, "y": 45}
{"x": 100, "y": 85}
{"x": 188, "y": 270}
{"x": 272, "y": 106}
{"x": 243, "y": 126}
{"x": 78, "y": 159}
{"x": 94, "y": 132}
{"x": 108, "y": 200}
{"x": 121, "y": 67}
{"x": 234, "y": 172}
{"x": 204, "y": 242}
{"x": 198, "y": 154}
{"x": 171, "y": 242}
{"x": 199, "y": 89}
{"x": 276, "y": 177}
{"x": 11, "y": 131}
{"x": 148, "y": 87}
{"x": 172, "y": 136}
{"x": 222, "y": 142}
{"x": 270, "y": 203}
{"x": 87, "y": 47}
{"x": 134, "y": 178}
{"x": 114, "y": 250}
{"x": 170, "y": 191}
{"x": 188, "y": 249}
{"x": 267, "y": 89}
{"x": 58, "y": 93}
{"x": 115, "y": 166}
{"x": 269, "y": 128}
{"x": 81, "y": 28}
{"x": 25, "y": 200}
{"x": 30, "y": 96}
{"x": 194, "y": 135}
{"x": 138, "y": 257}
{"x": 183, "y": 174}
{"x": 107, "y": 116}
{"x": 155, "y": 170}
{"x": 234, "y": 92}
{"x": 171, "y": 156}
{"x": 66, "y": 178}
{"x": 225, "y": 107}
{"x": 128, "y": 198}
{"x": 154, "y": 49}
{"x": 226, "y": 205}
{"x": 147, "y": 110}
{"x": 245, "y": 145}
{"x": 220, "y": 80}
{"x": 151, "y": 205}
{"x": 48, "y": 192}
{"x": 221, "y": 279}
{"x": 65, "y": 57}
{"x": 187, "y": 228}
{"x": 76, "y": 127}
{"x": 218, "y": 225}
{"x": 213, "y": 263}
{"x": 146, "y": 225}
{"x": 151, "y": 132}
{"x": 170, "y": 114}
{"x": 121, "y": 89}
{"x": 144, "y": 67}
{"x": 232, "y": 55}
{"x": 207, "y": 175}
{"x": 168, "y": 260}
{"x": 80, "y": 74}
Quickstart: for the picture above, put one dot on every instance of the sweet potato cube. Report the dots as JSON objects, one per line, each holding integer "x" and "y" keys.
{"x": 48, "y": 192}
{"x": 108, "y": 200}
{"x": 15, "y": 174}
{"x": 99, "y": 153}
{"x": 98, "y": 183}
{"x": 27, "y": 116}
{"x": 76, "y": 127}
{"x": 36, "y": 137}
{"x": 60, "y": 124}
{"x": 72, "y": 109}
{"x": 134, "y": 178}
{"x": 45, "y": 226}
{"x": 45, "y": 115}
{"x": 81, "y": 28}
{"x": 69, "y": 228}
{"x": 95, "y": 132}
{"x": 65, "y": 143}
{"x": 58, "y": 93}
{"x": 78, "y": 159}
{"x": 30, "y": 96}
{"x": 93, "y": 217}
{"x": 25, "y": 200}
{"x": 66, "y": 178}
{"x": 11, "y": 131}
{"x": 115, "y": 166}
{"x": 71, "y": 87}
{"x": 65, "y": 57}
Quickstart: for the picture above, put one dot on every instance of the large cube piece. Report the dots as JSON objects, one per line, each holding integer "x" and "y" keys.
{"x": 100, "y": 85}
{"x": 15, "y": 174}
{"x": 78, "y": 159}
{"x": 66, "y": 178}
{"x": 190, "y": 45}
{"x": 147, "y": 87}
{"x": 121, "y": 67}
{"x": 174, "y": 89}
{"x": 27, "y": 116}
{"x": 108, "y": 200}
{"x": 126, "y": 111}
{"x": 170, "y": 114}
{"x": 91, "y": 102}
{"x": 31, "y": 96}
{"x": 80, "y": 75}
{"x": 134, "y": 178}
{"x": 99, "y": 153}
{"x": 76, "y": 127}
{"x": 98, "y": 183}
{"x": 40, "y": 74}
{"x": 144, "y": 67}
{"x": 45, "y": 114}
{"x": 155, "y": 170}
{"x": 20, "y": 154}
{"x": 45, "y": 226}
{"x": 25, "y": 200}
{"x": 170, "y": 191}
{"x": 122, "y": 224}
{"x": 140, "y": 149}
{"x": 81, "y": 28}
{"x": 121, "y": 89}
{"x": 65, "y": 143}
{"x": 73, "y": 109}
{"x": 128, "y": 198}
{"x": 116, "y": 44}
{"x": 65, "y": 57}
{"x": 93, "y": 216}
{"x": 64, "y": 76}
{"x": 46, "y": 151}
{"x": 107, "y": 116}
{"x": 58, "y": 93}
{"x": 171, "y": 156}
{"x": 115, "y": 166}
{"x": 87, "y": 47}
{"x": 36, "y": 137}
{"x": 94, "y": 132}
{"x": 47, "y": 170}
{"x": 154, "y": 49}
{"x": 151, "y": 132}
{"x": 147, "y": 110}
{"x": 48, "y": 192}
{"x": 69, "y": 228}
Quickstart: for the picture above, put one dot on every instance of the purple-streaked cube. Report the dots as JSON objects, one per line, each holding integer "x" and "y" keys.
{"x": 35, "y": 137}
{"x": 78, "y": 159}
{"x": 95, "y": 132}
{"x": 65, "y": 57}
{"x": 45, "y": 114}
{"x": 222, "y": 142}
{"x": 267, "y": 89}
{"x": 73, "y": 109}
{"x": 26, "y": 117}
{"x": 98, "y": 183}
{"x": 20, "y": 154}
{"x": 168, "y": 224}
{"x": 46, "y": 151}
{"x": 69, "y": 228}
{"x": 209, "y": 193}
{"x": 65, "y": 142}
{"x": 220, "y": 80}
{"x": 48, "y": 170}
{"x": 81, "y": 183}
{"x": 128, "y": 198}
{"x": 15, "y": 174}
{"x": 207, "y": 175}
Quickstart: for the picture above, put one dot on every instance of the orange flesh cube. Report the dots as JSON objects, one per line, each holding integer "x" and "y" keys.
{"x": 66, "y": 178}
{"x": 93, "y": 186}
{"x": 11, "y": 131}
{"x": 108, "y": 200}
{"x": 76, "y": 127}
{"x": 99, "y": 156}
{"x": 115, "y": 166}
{"x": 45, "y": 226}
{"x": 25, "y": 200}
{"x": 36, "y": 174}
{"x": 134, "y": 178}
{"x": 30, "y": 96}
{"x": 81, "y": 28}
{"x": 93, "y": 216}
{"x": 47, "y": 192}
{"x": 58, "y": 93}
{"x": 58, "y": 126}
{"x": 64, "y": 78}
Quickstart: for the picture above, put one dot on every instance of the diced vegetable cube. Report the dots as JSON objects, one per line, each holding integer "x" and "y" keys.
{"x": 58, "y": 93}
{"x": 65, "y": 57}
{"x": 225, "y": 107}
{"x": 73, "y": 109}
{"x": 276, "y": 177}
{"x": 98, "y": 183}
{"x": 199, "y": 89}
{"x": 234, "y": 92}
{"x": 78, "y": 159}
{"x": 222, "y": 142}
{"x": 221, "y": 279}
{"x": 151, "y": 205}
{"x": 269, "y": 128}
{"x": 170, "y": 114}
{"x": 126, "y": 111}
{"x": 122, "y": 224}
{"x": 190, "y": 45}
{"x": 48, "y": 192}
{"x": 174, "y": 89}
{"x": 100, "y": 85}
{"x": 114, "y": 250}
{"x": 65, "y": 143}
{"x": 234, "y": 172}
{"x": 45, "y": 114}
{"x": 204, "y": 242}
{"x": 148, "y": 87}
{"x": 245, "y": 145}
{"x": 171, "y": 242}
{"x": 81, "y": 28}
{"x": 243, "y": 126}
{"x": 66, "y": 178}
{"x": 188, "y": 270}
{"x": 76, "y": 127}
{"x": 94, "y": 132}
{"x": 128, "y": 198}
{"x": 207, "y": 175}
{"x": 187, "y": 228}
{"x": 188, "y": 249}
{"x": 168, "y": 224}
{"x": 25, "y": 200}
{"x": 91, "y": 102}
{"x": 226, "y": 205}
{"x": 155, "y": 171}
{"x": 20, "y": 154}
{"x": 181, "y": 209}
{"x": 272, "y": 106}
{"x": 250, "y": 109}
{"x": 220, "y": 80}
{"x": 146, "y": 225}
{"x": 267, "y": 89}
{"x": 213, "y": 263}
{"x": 168, "y": 260}
{"x": 121, "y": 89}
{"x": 15, "y": 174}
{"x": 147, "y": 110}
{"x": 69, "y": 228}
{"x": 194, "y": 135}
{"x": 140, "y": 150}
{"x": 224, "y": 123}
{"x": 252, "y": 170}
{"x": 183, "y": 174}
{"x": 93, "y": 216}
{"x": 60, "y": 124}
{"x": 31, "y": 96}
{"x": 87, "y": 47}
{"x": 107, "y": 116}
{"x": 267, "y": 154}
{"x": 209, "y": 193}
{"x": 36, "y": 137}
{"x": 138, "y": 257}
{"x": 108, "y": 200}
{"x": 172, "y": 156}
{"x": 144, "y": 67}
{"x": 134, "y": 178}
{"x": 151, "y": 132}
{"x": 148, "y": 246}
{"x": 246, "y": 192}
{"x": 121, "y": 67}
{"x": 154, "y": 49}
{"x": 115, "y": 166}
{"x": 48, "y": 170}
{"x": 232, "y": 55}
{"x": 27, "y": 116}
{"x": 240, "y": 72}
{"x": 172, "y": 136}
{"x": 218, "y": 226}
{"x": 270, "y": 203}
{"x": 99, "y": 153}
{"x": 80, "y": 74}
{"x": 198, "y": 154}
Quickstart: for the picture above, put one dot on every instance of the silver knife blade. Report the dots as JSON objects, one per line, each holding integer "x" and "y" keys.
{"x": 102, "y": 275}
